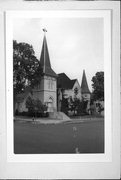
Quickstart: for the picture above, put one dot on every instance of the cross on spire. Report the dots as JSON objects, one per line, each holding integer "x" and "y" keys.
{"x": 44, "y": 30}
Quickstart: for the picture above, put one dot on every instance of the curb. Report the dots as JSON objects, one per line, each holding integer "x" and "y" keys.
{"x": 48, "y": 122}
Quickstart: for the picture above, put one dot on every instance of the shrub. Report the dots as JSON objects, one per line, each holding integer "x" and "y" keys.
{"x": 35, "y": 107}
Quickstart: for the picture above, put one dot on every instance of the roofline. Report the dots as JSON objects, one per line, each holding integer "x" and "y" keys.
{"x": 50, "y": 75}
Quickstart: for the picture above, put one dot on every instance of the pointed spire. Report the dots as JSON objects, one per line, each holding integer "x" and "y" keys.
{"x": 84, "y": 85}
{"x": 45, "y": 59}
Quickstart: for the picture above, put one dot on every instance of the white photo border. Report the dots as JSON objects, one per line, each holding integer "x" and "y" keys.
{"x": 102, "y": 157}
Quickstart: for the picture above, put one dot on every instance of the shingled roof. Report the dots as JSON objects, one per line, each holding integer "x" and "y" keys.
{"x": 63, "y": 81}
{"x": 45, "y": 60}
{"x": 84, "y": 85}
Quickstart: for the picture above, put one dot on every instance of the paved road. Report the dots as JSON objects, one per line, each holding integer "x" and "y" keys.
{"x": 87, "y": 137}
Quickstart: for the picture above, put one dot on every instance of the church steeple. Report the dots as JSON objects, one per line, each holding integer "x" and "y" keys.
{"x": 84, "y": 85}
{"x": 45, "y": 59}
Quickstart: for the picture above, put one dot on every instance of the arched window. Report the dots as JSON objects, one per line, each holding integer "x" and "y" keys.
{"x": 50, "y": 104}
{"x": 50, "y": 100}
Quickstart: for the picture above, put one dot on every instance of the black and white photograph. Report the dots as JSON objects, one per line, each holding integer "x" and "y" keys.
{"x": 58, "y": 94}
{"x": 59, "y": 90}
{"x": 58, "y": 84}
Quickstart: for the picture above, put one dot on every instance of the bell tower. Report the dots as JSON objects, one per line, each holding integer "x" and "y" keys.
{"x": 46, "y": 89}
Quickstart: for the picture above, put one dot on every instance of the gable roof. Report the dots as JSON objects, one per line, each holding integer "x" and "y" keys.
{"x": 45, "y": 60}
{"x": 84, "y": 85}
{"x": 73, "y": 82}
{"x": 63, "y": 81}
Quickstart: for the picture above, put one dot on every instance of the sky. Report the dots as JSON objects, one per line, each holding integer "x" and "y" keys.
{"x": 74, "y": 44}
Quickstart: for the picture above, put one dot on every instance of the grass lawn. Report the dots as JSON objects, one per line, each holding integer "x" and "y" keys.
{"x": 86, "y": 137}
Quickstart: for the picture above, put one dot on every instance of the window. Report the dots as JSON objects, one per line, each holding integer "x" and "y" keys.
{"x": 50, "y": 84}
{"x": 76, "y": 91}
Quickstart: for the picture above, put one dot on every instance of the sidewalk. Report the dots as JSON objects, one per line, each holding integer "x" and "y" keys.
{"x": 55, "y": 121}
{"x": 40, "y": 120}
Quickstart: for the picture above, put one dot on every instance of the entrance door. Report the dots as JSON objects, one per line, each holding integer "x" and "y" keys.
{"x": 50, "y": 105}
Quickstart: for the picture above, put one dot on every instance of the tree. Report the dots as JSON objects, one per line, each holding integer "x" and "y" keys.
{"x": 64, "y": 105}
{"x": 74, "y": 104}
{"x": 30, "y": 104}
{"x": 78, "y": 106}
{"x": 98, "y": 86}
{"x": 26, "y": 68}
{"x": 35, "y": 106}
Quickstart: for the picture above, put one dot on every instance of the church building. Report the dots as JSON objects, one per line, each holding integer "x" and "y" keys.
{"x": 50, "y": 87}
{"x": 46, "y": 89}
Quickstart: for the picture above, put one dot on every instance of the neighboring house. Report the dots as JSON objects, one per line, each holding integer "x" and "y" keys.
{"x": 68, "y": 88}
{"x": 99, "y": 107}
